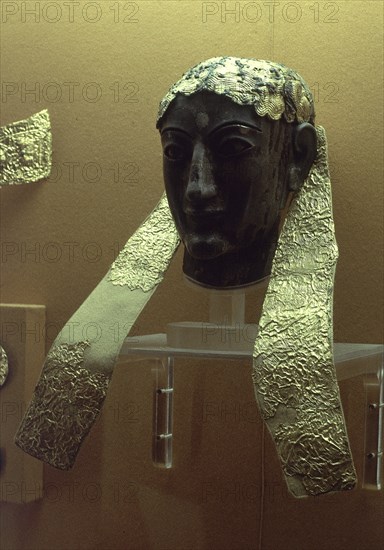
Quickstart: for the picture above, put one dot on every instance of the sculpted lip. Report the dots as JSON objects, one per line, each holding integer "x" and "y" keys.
{"x": 204, "y": 214}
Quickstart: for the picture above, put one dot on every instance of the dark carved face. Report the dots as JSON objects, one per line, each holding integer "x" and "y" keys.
{"x": 224, "y": 172}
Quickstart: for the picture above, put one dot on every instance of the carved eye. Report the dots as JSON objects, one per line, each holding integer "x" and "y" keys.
{"x": 233, "y": 146}
{"x": 174, "y": 152}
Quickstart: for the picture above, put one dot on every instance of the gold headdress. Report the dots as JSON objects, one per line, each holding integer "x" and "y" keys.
{"x": 293, "y": 371}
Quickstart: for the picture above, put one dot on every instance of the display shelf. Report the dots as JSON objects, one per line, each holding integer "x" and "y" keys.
{"x": 227, "y": 337}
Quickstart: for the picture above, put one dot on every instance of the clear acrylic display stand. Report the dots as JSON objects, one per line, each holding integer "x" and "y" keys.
{"x": 226, "y": 336}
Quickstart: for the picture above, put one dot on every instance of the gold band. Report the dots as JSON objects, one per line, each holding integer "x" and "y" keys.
{"x": 293, "y": 372}
{"x": 76, "y": 373}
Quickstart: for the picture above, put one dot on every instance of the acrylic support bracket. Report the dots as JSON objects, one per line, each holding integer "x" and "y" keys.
{"x": 163, "y": 412}
{"x": 222, "y": 341}
{"x": 367, "y": 360}
{"x": 373, "y": 451}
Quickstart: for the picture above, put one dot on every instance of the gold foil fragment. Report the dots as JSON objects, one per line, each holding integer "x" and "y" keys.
{"x": 294, "y": 375}
{"x": 146, "y": 256}
{"x": 3, "y": 366}
{"x": 66, "y": 403}
{"x": 26, "y": 150}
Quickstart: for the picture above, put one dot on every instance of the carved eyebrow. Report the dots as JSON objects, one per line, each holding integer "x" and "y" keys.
{"x": 236, "y": 123}
{"x": 174, "y": 129}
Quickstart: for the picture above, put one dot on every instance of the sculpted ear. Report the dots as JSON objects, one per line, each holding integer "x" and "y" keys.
{"x": 304, "y": 142}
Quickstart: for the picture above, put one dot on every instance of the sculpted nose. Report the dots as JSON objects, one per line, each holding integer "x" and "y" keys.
{"x": 201, "y": 186}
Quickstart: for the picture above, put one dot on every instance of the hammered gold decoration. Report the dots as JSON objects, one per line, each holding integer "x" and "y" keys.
{"x": 26, "y": 150}
{"x": 78, "y": 368}
{"x": 74, "y": 396}
{"x": 146, "y": 255}
{"x": 273, "y": 89}
{"x": 294, "y": 375}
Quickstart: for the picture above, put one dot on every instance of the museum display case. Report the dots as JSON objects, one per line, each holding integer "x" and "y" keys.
{"x": 245, "y": 408}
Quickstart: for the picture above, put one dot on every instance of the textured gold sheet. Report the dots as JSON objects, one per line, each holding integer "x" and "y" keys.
{"x": 146, "y": 255}
{"x": 3, "y": 366}
{"x": 64, "y": 406}
{"x": 26, "y": 150}
{"x": 76, "y": 373}
{"x": 294, "y": 375}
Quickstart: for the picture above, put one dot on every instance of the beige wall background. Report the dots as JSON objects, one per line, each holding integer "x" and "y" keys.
{"x": 101, "y": 68}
